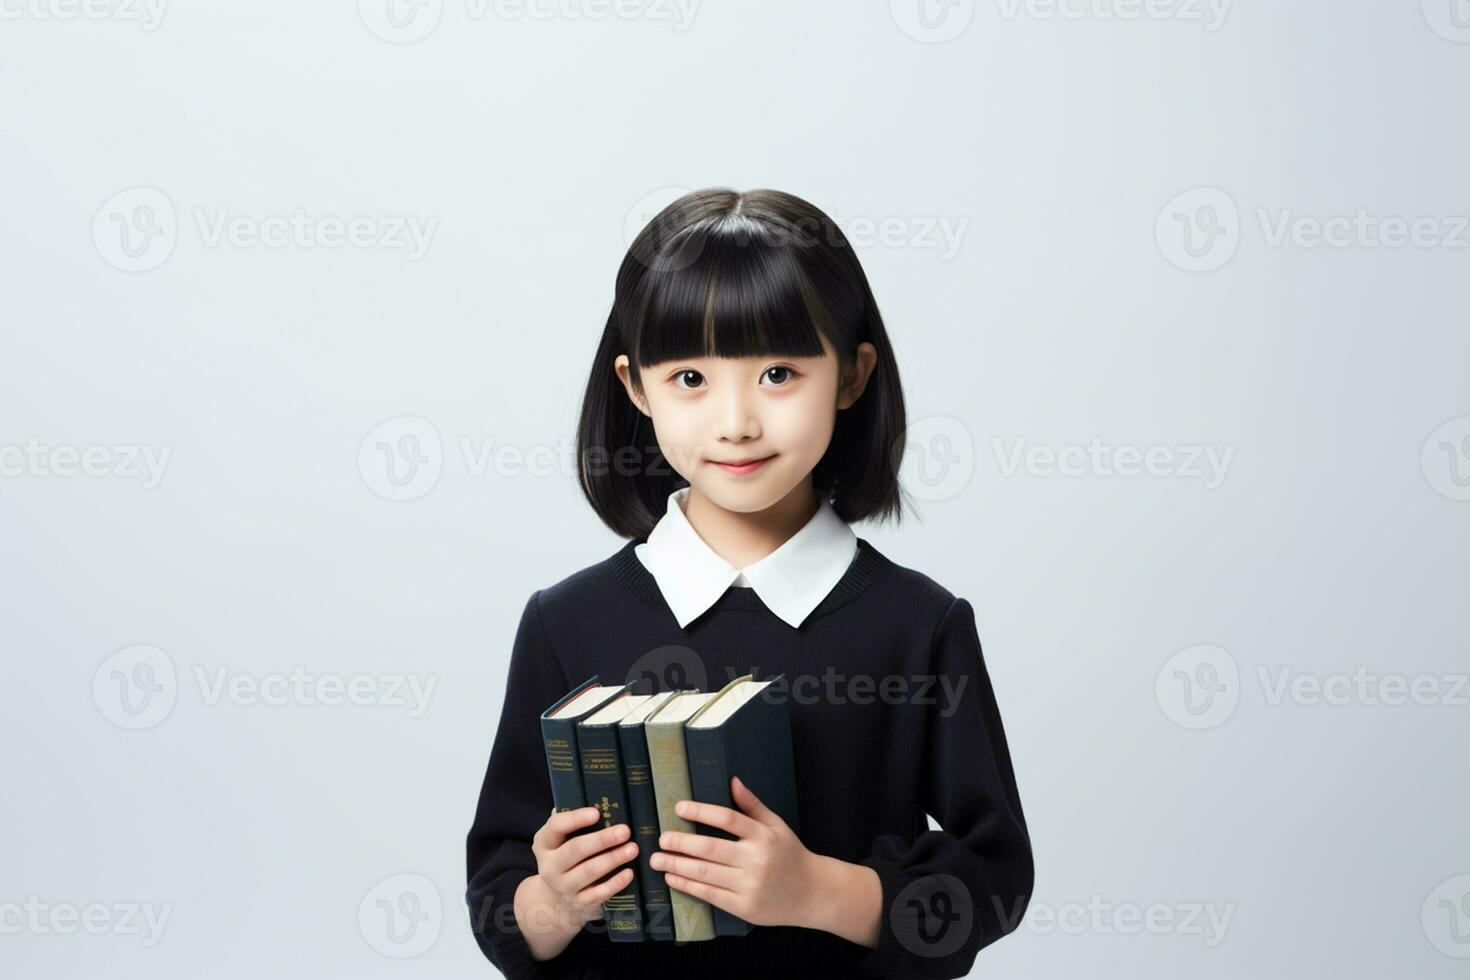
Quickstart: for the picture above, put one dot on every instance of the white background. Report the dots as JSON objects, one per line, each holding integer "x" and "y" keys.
{"x": 534, "y": 138}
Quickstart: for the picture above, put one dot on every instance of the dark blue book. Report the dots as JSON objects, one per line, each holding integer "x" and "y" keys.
{"x": 658, "y": 909}
{"x": 745, "y": 731}
{"x": 602, "y": 779}
{"x": 559, "y": 735}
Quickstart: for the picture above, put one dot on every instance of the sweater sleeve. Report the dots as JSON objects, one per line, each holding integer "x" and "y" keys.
{"x": 515, "y": 801}
{"x": 949, "y": 893}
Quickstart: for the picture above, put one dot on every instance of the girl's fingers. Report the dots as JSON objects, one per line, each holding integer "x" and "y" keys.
{"x": 559, "y": 826}
{"x": 594, "y": 897}
{"x": 584, "y": 846}
{"x": 588, "y": 871}
{"x": 714, "y": 815}
{"x": 695, "y": 869}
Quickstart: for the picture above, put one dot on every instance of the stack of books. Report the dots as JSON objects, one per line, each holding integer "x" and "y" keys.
{"x": 633, "y": 756}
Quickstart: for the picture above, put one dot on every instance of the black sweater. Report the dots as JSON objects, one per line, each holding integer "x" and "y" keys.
{"x": 892, "y": 716}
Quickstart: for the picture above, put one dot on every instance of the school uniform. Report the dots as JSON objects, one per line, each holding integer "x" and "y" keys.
{"x": 892, "y": 715}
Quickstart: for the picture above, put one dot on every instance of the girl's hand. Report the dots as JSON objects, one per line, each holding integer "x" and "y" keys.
{"x": 767, "y": 877}
{"x": 572, "y": 867}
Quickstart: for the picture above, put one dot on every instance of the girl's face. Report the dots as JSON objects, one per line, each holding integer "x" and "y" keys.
{"x": 774, "y": 413}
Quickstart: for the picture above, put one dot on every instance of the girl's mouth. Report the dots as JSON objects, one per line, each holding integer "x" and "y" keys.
{"x": 742, "y": 467}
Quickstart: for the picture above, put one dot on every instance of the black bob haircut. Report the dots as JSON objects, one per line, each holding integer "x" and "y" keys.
{"x": 720, "y": 273}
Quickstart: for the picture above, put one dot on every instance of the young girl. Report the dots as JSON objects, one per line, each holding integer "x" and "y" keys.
{"x": 744, "y": 409}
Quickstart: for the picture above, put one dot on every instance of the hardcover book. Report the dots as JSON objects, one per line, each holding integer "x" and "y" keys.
{"x": 658, "y": 921}
{"x": 559, "y": 736}
{"x": 742, "y": 731}
{"x": 664, "y": 732}
{"x": 602, "y": 777}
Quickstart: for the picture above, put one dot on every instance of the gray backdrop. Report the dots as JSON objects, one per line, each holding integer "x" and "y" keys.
{"x": 299, "y": 299}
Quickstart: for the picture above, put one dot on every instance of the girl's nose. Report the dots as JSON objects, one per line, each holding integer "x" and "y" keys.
{"x": 738, "y": 419}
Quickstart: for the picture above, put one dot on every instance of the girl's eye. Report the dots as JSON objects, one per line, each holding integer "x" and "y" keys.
{"x": 684, "y": 374}
{"x": 783, "y": 374}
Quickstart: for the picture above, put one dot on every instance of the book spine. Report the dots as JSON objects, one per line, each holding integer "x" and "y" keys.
{"x": 559, "y": 736}
{"x": 602, "y": 777}
{"x": 709, "y": 781}
{"x": 692, "y": 919}
{"x": 658, "y": 921}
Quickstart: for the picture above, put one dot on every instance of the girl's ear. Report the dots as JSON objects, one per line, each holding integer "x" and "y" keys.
{"x": 620, "y": 368}
{"x": 855, "y": 378}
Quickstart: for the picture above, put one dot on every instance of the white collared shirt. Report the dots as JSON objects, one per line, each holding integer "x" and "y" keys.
{"x": 791, "y": 581}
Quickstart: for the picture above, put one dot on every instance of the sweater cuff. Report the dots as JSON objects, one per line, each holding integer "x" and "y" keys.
{"x": 925, "y": 928}
{"x": 500, "y": 936}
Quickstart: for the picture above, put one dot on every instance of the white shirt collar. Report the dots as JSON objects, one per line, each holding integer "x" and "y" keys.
{"x": 791, "y": 581}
